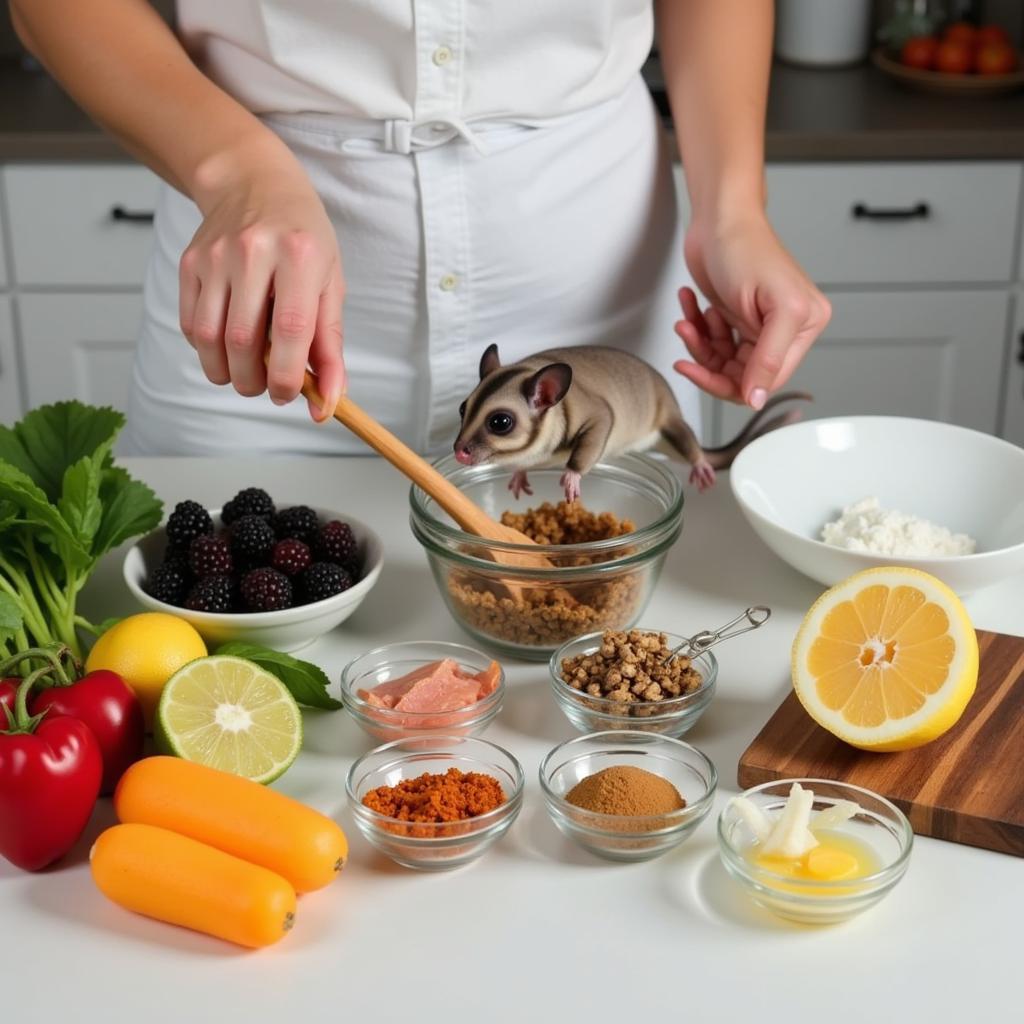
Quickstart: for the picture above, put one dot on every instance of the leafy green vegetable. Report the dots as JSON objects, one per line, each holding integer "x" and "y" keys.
{"x": 63, "y": 505}
{"x": 305, "y": 681}
{"x": 10, "y": 618}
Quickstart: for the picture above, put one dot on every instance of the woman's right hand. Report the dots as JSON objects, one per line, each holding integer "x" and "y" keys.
{"x": 266, "y": 246}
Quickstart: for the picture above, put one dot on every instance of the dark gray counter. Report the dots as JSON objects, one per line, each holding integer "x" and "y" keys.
{"x": 854, "y": 114}
{"x": 860, "y": 114}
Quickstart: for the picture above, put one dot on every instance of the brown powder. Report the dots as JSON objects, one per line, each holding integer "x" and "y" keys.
{"x": 623, "y": 789}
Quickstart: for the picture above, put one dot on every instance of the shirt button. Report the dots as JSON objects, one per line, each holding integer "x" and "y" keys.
{"x": 448, "y": 283}
{"x": 442, "y": 55}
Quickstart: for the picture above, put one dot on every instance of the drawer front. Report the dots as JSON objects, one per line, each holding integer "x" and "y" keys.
{"x": 79, "y": 346}
{"x": 898, "y": 223}
{"x": 10, "y": 390}
{"x": 931, "y": 355}
{"x": 66, "y": 229}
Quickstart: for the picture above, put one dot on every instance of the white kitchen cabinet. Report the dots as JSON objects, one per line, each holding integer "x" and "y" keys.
{"x": 10, "y": 391}
{"x": 916, "y": 223}
{"x": 3, "y": 247}
{"x": 928, "y": 354}
{"x": 1013, "y": 395}
{"x": 79, "y": 346}
{"x": 80, "y": 226}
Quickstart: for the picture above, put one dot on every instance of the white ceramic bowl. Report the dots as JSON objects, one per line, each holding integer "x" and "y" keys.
{"x": 792, "y": 481}
{"x": 288, "y": 630}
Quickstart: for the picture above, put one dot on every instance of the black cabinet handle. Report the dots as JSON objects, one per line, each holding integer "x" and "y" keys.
{"x": 1020, "y": 350}
{"x": 919, "y": 211}
{"x": 119, "y": 213}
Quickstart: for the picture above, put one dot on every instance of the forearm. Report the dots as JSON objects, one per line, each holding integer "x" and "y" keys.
{"x": 122, "y": 64}
{"x": 716, "y": 56}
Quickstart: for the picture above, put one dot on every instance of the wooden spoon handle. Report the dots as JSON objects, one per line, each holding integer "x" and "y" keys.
{"x": 465, "y": 512}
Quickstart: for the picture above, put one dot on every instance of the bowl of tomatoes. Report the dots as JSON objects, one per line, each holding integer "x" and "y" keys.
{"x": 962, "y": 60}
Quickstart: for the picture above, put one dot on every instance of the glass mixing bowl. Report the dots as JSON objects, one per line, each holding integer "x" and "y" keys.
{"x": 603, "y": 584}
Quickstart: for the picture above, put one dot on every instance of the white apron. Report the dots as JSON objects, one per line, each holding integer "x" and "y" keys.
{"x": 452, "y": 237}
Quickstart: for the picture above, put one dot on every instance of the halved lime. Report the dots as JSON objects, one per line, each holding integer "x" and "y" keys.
{"x": 230, "y": 714}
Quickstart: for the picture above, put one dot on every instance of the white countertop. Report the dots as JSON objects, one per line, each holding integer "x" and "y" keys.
{"x": 537, "y": 929}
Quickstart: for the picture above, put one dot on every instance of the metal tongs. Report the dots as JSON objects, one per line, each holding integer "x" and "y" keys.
{"x": 752, "y": 618}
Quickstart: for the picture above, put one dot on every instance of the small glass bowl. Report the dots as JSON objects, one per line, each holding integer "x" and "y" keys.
{"x": 434, "y": 846}
{"x": 600, "y": 584}
{"x": 672, "y": 717}
{"x": 627, "y": 837}
{"x": 394, "y": 660}
{"x": 880, "y": 824}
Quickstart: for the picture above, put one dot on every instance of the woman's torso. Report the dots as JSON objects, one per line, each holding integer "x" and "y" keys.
{"x": 417, "y": 59}
{"x": 559, "y": 234}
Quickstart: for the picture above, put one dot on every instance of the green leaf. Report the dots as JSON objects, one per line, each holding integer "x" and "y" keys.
{"x": 305, "y": 681}
{"x": 129, "y": 508}
{"x": 79, "y": 503}
{"x": 53, "y": 437}
{"x": 34, "y": 508}
{"x": 10, "y": 618}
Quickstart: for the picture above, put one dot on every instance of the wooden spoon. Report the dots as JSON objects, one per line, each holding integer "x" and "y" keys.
{"x": 465, "y": 512}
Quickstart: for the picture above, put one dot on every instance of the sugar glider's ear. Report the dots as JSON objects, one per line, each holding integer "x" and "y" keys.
{"x": 548, "y": 386}
{"x": 489, "y": 361}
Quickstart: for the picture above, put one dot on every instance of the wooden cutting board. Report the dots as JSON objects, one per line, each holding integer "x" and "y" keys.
{"x": 967, "y": 786}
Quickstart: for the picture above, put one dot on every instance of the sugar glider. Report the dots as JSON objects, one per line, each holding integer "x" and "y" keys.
{"x": 571, "y": 407}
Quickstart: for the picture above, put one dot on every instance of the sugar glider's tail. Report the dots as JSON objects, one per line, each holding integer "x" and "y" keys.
{"x": 757, "y": 426}
{"x": 678, "y": 433}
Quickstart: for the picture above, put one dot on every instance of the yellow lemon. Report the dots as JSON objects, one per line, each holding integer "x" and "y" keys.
{"x": 887, "y": 659}
{"x": 145, "y": 651}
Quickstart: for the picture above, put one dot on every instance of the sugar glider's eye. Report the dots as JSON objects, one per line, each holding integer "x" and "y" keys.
{"x": 462, "y": 411}
{"x": 500, "y": 422}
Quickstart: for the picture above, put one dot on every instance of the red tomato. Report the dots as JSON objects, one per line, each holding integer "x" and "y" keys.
{"x": 954, "y": 58}
{"x": 992, "y": 34}
{"x": 995, "y": 59}
{"x": 961, "y": 32}
{"x": 919, "y": 52}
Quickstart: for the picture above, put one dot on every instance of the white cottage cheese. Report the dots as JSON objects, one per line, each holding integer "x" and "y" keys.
{"x": 866, "y": 526}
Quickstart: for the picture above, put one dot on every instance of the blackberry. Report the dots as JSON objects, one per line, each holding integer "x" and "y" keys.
{"x": 253, "y": 501}
{"x": 299, "y": 522}
{"x": 178, "y": 559}
{"x": 324, "y": 579}
{"x": 168, "y": 583}
{"x": 211, "y": 594}
{"x": 252, "y": 540}
{"x": 210, "y": 555}
{"x": 188, "y": 521}
{"x": 266, "y": 590}
{"x": 336, "y": 543}
{"x": 291, "y": 557}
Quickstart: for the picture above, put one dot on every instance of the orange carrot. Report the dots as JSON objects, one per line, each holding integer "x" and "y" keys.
{"x": 175, "y": 879}
{"x": 235, "y": 815}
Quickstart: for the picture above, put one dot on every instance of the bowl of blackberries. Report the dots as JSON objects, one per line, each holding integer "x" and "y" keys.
{"x": 276, "y": 576}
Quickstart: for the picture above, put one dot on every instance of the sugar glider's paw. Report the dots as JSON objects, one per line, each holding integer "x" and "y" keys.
{"x": 702, "y": 475}
{"x": 570, "y": 482}
{"x": 520, "y": 484}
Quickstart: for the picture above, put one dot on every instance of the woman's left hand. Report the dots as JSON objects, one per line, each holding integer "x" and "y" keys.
{"x": 764, "y": 313}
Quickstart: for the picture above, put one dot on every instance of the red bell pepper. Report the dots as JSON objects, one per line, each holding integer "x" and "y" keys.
{"x": 102, "y": 699}
{"x": 50, "y": 775}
